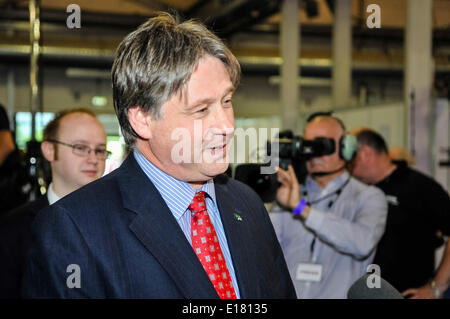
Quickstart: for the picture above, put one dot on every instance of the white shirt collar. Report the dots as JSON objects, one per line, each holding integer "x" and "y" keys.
{"x": 51, "y": 195}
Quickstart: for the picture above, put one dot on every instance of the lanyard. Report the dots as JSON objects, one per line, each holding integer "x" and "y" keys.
{"x": 337, "y": 193}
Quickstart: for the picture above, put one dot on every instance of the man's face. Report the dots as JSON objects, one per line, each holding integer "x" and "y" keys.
{"x": 329, "y": 128}
{"x": 362, "y": 167}
{"x": 70, "y": 171}
{"x": 192, "y": 140}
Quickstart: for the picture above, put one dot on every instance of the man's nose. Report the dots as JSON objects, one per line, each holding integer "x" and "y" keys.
{"x": 224, "y": 120}
{"x": 92, "y": 157}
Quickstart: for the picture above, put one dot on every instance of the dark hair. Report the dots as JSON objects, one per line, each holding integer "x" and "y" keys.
{"x": 373, "y": 140}
{"x": 156, "y": 61}
{"x": 52, "y": 128}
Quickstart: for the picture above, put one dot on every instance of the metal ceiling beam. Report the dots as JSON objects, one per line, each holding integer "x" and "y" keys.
{"x": 385, "y": 34}
{"x": 228, "y": 17}
{"x": 196, "y": 7}
{"x": 155, "y": 5}
{"x": 330, "y": 5}
{"x": 103, "y": 59}
{"x": 90, "y": 18}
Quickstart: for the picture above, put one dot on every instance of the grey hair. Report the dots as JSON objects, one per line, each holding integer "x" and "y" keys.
{"x": 156, "y": 61}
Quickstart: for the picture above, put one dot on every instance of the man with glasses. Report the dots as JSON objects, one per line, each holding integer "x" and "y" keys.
{"x": 75, "y": 145}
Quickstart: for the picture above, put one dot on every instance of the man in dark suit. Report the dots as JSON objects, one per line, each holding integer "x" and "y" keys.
{"x": 167, "y": 223}
{"x": 73, "y": 165}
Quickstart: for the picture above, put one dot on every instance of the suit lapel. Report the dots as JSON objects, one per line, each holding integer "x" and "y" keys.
{"x": 234, "y": 219}
{"x": 160, "y": 233}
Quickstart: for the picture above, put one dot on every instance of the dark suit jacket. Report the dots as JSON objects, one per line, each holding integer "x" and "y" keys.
{"x": 127, "y": 244}
{"x": 15, "y": 242}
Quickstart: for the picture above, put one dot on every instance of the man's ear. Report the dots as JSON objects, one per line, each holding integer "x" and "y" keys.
{"x": 48, "y": 150}
{"x": 140, "y": 121}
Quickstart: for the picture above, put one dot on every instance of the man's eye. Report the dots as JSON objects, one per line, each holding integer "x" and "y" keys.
{"x": 228, "y": 101}
{"x": 100, "y": 152}
{"x": 203, "y": 110}
{"x": 81, "y": 148}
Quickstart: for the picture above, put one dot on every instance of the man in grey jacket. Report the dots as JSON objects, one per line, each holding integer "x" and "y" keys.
{"x": 329, "y": 227}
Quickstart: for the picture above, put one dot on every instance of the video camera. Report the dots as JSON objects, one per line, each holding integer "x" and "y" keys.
{"x": 290, "y": 150}
{"x": 293, "y": 149}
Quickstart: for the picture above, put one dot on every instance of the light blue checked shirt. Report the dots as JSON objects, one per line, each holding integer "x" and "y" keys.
{"x": 178, "y": 195}
{"x": 347, "y": 234}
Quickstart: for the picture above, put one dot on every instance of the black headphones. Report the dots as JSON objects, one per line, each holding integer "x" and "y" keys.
{"x": 347, "y": 143}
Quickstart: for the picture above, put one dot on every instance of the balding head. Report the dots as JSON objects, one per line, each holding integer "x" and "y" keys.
{"x": 330, "y": 123}
{"x": 64, "y": 137}
{"x": 328, "y": 127}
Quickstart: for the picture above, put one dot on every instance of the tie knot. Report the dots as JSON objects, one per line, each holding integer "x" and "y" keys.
{"x": 198, "y": 204}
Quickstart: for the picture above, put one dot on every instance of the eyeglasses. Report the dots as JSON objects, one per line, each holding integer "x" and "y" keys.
{"x": 84, "y": 150}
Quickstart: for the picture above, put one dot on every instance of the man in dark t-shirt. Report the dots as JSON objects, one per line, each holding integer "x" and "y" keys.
{"x": 418, "y": 208}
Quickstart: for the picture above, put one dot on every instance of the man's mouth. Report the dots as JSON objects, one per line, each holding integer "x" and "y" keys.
{"x": 216, "y": 152}
{"x": 217, "y": 149}
{"x": 90, "y": 173}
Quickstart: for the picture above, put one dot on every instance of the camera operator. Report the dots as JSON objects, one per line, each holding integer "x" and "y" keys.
{"x": 329, "y": 227}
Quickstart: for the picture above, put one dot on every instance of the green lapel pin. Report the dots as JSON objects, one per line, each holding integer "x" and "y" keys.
{"x": 238, "y": 217}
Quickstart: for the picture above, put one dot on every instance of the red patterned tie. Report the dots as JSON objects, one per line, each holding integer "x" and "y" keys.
{"x": 206, "y": 245}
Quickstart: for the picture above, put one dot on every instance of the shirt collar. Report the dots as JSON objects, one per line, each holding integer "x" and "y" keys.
{"x": 51, "y": 195}
{"x": 177, "y": 194}
{"x": 311, "y": 184}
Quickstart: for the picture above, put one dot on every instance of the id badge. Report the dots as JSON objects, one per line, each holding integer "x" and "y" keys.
{"x": 309, "y": 272}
